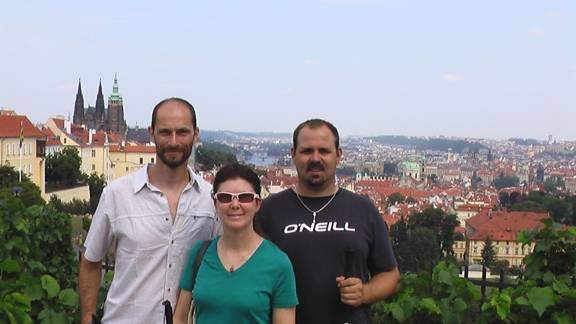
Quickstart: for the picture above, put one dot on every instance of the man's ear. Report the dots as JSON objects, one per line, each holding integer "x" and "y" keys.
{"x": 196, "y": 135}
{"x": 292, "y": 152}
{"x": 151, "y": 133}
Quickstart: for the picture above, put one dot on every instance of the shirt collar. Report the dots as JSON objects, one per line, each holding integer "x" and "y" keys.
{"x": 141, "y": 179}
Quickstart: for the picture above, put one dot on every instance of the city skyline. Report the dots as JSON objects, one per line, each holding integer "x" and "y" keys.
{"x": 491, "y": 70}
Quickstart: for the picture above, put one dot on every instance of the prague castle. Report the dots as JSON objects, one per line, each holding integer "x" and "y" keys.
{"x": 109, "y": 119}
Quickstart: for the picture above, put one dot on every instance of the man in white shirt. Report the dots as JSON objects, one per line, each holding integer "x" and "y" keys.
{"x": 155, "y": 214}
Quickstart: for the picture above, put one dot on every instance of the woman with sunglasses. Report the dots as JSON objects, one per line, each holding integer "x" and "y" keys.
{"x": 242, "y": 278}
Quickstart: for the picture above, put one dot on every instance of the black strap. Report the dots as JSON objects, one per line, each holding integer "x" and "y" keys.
{"x": 195, "y": 267}
{"x": 197, "y": 262}
{"x": 168, "y": 311}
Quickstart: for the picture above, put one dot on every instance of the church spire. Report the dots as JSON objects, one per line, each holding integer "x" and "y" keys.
{"x": 115, "y": 97}
{"x": 79, "y": 106}
{"x": 100, "y": 112}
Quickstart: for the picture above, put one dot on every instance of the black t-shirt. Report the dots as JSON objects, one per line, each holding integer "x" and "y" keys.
{"x": 317, "y": 251}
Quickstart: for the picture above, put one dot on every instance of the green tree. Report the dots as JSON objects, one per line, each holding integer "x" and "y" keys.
{"x": 504, "y": 199}
{"x": 488, "y": 253}
{"x": 554, "y": 184}
{"x": 505, "y": 181}
{"x": 37, "y": 260}
{"x": 424, "y": 239}
{"x": 74, "y": 207}
{"x": 515, "y": 197}
{"x": 447, "y": 234}
{"x": 26, "y": 191}
{"x": 394, "y": 198}
{"x": 209, "y": 159}
{"x": 63, "y": 168}
{"x": 96, "y": 184}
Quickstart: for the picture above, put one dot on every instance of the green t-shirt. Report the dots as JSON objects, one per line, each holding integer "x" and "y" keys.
{"x": 247, "y": 295}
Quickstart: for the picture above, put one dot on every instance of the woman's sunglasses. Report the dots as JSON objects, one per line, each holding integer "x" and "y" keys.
{"x": 243, "y": 197}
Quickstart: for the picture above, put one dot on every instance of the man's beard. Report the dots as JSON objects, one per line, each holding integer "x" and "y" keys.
{"x": 317, "y": 181}
{"x": 174, "y": 163}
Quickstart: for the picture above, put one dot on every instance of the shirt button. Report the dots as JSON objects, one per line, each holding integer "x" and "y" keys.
{"x": 166, "y": 218}
{"x": 169, "y": 289}
{"x": 172, "y": 242}
{"x": 170, "y": 265}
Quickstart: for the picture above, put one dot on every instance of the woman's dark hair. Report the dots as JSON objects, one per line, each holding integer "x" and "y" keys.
{"x": 235, "y": 171}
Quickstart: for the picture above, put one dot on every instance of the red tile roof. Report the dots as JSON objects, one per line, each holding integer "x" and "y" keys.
{"x": 10, "y": 127}
{"x": 59, "y": 123}
{"x": 374, "y": 183}
{"x": 502, "y": 225}
{"x": 51, "y": 138}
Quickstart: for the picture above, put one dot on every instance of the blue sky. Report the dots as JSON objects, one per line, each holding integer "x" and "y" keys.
{"x": 491, "y": 69}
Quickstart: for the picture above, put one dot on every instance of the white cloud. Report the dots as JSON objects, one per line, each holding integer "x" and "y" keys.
{"x": 536, "y": 32}
{"x": 451, "y": 77}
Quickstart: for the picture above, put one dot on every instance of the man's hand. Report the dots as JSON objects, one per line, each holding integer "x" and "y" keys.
{"x": 351, "y": 290}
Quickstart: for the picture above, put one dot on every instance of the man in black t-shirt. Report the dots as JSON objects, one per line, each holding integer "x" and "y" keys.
{"x": 336, "y": 240}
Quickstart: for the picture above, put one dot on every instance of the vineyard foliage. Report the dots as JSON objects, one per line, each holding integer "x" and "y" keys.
{"x": 544, "y": 293}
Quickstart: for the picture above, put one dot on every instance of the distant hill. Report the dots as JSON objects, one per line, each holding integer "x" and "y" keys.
{"x": 525, "y": 141}
{"x": 433, "y": 144}
{"x": 421, "y": 143}
{"x": 221, "y": 135}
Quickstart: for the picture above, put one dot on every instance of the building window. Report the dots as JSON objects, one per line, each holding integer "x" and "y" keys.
{"x": 126, "y": 169}
{"x": 141, "y": 160}
{"x": 516, "y": 251}
{"x": 507, "y": 250}
{"x": 475, "y": 250}
{"x": 64, "y": 140}
{"x": 8, "y": 149}
{"x": 93, "y": 153}
{"x": 93, "y": 167}
{"x": 151, "y": 160}
{"x": 29, "y": 148}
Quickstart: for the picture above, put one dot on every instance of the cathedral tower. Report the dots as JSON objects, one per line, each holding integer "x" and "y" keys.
{"x": 79, "y": 106}
{"x": 100, "y": 114}
{"x": 115, "y": 121}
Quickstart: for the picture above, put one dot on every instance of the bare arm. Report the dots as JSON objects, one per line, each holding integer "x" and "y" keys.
{"x": 284, "y": 315}
{"x": 182, "y": 307}
{"x": 90, "y": 275}
{"x": 353, "y": 292}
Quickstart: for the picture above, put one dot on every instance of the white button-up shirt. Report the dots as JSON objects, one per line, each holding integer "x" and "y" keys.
{"x": 151, "y": 250}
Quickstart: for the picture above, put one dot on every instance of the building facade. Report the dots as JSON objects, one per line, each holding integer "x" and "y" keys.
{"x": 22, "y": 146}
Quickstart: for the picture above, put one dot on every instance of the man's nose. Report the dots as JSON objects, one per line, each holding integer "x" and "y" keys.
{"x": 315, "y": 156}
{"x": 173, "y": 137}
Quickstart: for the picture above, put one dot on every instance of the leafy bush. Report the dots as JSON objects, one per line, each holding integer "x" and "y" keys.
{"x": 37, "y": 260}
{"x": 547, "y": 291}
{"x": 28, "y": 192}
{"x": 74, "y": 207}
{"x": 544, "y": 293}
{"x": 437, "y": 297}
